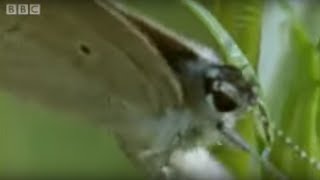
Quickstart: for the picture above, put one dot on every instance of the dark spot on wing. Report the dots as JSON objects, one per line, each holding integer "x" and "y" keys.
{"x": 14, "y": 28}
{"x": 84, "y": 49}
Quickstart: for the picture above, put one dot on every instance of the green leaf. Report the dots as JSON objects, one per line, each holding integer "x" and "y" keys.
{"x": 242, "y": 19}
{"x": 229, "y": 48}
{"x": 294, "y": 105}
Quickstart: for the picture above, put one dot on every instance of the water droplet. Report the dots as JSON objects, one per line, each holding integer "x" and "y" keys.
{"x": 296, "y": 148}
{"x": 303, "y": 154}
{"x": 312, "y": 160}
{"x": 318, "y": 165}
{"x": 279, "y": 133}
{"x": 288, "y": 140}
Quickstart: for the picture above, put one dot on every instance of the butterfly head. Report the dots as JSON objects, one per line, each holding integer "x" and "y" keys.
{"x": 226, "y": 88}
{"x": 227, "y": 93}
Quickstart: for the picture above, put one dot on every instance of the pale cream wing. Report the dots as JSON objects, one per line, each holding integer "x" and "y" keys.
{"x": 81, "y": 58}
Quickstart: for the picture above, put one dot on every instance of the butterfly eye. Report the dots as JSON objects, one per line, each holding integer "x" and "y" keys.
{"x": 220, "y": 99}
{"x": 223, "y": 102}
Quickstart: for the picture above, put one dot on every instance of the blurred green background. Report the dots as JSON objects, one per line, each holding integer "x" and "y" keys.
{"x": 281, "y": 40}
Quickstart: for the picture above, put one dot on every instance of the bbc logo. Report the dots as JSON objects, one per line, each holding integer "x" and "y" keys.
{"x": 23, "y": 9}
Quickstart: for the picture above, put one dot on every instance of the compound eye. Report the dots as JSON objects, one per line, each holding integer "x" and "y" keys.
{"x": 223, "y": 102}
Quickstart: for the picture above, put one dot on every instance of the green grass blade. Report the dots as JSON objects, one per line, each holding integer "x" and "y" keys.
{"x": 231, "y": 51}
{"x": 295, "y": 104}
{"x": 242, "y": 19}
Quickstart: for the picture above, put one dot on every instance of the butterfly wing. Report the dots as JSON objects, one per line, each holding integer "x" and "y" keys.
{"x": 84, "y": 59}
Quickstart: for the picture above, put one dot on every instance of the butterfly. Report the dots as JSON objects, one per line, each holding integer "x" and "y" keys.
{"x": 164, "y": 97}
